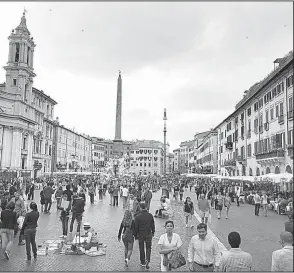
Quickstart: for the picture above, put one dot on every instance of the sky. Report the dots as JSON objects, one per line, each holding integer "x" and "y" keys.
{"x": 194, "y": 59}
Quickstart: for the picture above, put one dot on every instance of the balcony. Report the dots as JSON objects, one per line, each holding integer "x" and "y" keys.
{"x": 240, "y": 159}
{"x": 266, "y": 126}
{"x": 229, "y": 145}
{"x": 281, "y": 119}
{"x": 230, "y": 163}
{"x": 290, "y": 150}
{"x": 24, "y": 151}
{"x": 290, "y": 114}
{"x": 272, "y": 156}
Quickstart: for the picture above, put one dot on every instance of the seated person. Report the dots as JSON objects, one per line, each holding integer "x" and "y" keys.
{"x": 163, "y": 206}
{"x": 91, "y": 238}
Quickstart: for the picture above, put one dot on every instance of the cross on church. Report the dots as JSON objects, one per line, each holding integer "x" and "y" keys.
{"x": 24, "y": 11}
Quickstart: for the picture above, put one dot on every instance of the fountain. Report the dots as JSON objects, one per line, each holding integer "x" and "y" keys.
{"x": 117, "y": 167}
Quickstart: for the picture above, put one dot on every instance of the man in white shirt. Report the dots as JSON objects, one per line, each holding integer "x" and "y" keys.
{"x": 235, "y": 259}
{"x": 257, "y": 201}
{"x": 125, "y": 194}
{"x": 203, "y": 251}
{"x": 238, "y": 193}
{"x": 282, "y": 259}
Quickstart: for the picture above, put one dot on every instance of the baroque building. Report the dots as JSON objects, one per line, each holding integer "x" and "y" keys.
{"x": 257, "y": 138}
{"x": 26, "y": 113}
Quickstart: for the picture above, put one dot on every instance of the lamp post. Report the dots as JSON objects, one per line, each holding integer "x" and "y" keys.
{"x": 164, "y": 185}
{"x": 164, "y": 142}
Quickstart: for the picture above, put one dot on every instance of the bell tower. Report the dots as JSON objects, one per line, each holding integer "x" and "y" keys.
{"x": 20, "y": 65}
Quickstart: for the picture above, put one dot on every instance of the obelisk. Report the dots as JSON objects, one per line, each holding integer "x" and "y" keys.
{"x": 117, "y": 139}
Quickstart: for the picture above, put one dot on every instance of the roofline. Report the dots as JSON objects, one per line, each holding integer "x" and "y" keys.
{"x": 63, "y": 127}
{"x": 46, "y": 96}
{"x": 260, "y": 89}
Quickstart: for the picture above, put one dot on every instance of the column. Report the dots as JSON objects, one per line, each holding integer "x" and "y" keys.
{"x": 16, "y": 148}
{"x": 10, "y": 55}
{"x": 7, "y": 144}
{"x": 32, "y": 58}
{"x": 25, "y": 53}
{"x": 30, "y": 142}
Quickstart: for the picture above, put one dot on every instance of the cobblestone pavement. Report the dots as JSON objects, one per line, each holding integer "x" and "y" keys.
{"x": 260, "y": 237}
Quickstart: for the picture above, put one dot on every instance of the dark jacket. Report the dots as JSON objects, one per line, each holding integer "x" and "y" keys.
{"x": 189, "y": 208}
{"x": 123, "y": 228}
{"x": 31, "y": 220}
{"x": 8, "y": 219}
{"x": 69, "y": 194}
{"x": 78, "y": 205}
{"x": 144, "y": 224}
{"x": 289, "y": 226}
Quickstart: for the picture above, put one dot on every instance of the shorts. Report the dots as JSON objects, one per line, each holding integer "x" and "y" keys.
{"x": 219, "y": 207}
{"x": 188, "y": 214}
{"x": 204, "y": 214}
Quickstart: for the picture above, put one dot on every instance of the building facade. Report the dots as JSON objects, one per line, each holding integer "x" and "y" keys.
{"x": 146, "y": 157}
{"x": 26, "y": 113}
{"x": 98, "y": 149}
{"x": 206, "y": 154}
{"x": 185, "y": 154}
{"x": 72, "y": 152}
{"x": 176, "y": 153}
{"x": 257, "y": 138}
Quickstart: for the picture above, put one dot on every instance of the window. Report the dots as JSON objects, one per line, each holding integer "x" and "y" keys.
{"x": 289, "y": 81}
{"x": 266, "y": 116}
{"x": 274, "y": 93}
{"x": 255, "y": 123}
{"x": 279, "y": 89}
{"x": 272, "y": 113}
{"x": 14, "y": 82}
{"x": 255, "y": 106}
{"x": 255, "y": 147}
{"x": 249, "y": 112}
{"x": 249, "y": 150}
{"x": 277, "y": 111}
{"x": 265, "y": 98}
{"x": 24, "y": 143}
{"x": 249, "y": 125}
{"x": 261, "y": 120}
{"x": 16, "y": 52}
{"x": 290, "y": 137}
{"x": 28, "y": 54}
{"x": 260, "y": 103}
{"x": 281, "y": 109}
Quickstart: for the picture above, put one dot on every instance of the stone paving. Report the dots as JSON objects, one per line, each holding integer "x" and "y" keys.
{"x": 260, "y": 237}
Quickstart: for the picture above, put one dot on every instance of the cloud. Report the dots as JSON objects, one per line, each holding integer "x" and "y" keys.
{"x": 191, "y": 58}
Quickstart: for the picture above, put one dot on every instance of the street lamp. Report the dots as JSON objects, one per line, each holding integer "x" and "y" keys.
{"x": 164, "y": 185}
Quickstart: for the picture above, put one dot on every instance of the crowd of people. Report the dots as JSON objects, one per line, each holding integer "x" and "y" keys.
{"x": 20, "y": 215}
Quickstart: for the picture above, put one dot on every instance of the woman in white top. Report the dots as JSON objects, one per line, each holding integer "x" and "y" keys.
{"x": 264, "y": 203}
{"x": 168, "y": 242}
{"x": 227, "y": 204}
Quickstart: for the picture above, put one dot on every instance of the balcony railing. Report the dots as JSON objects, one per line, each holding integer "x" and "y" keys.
{"x": 240, "y": 158}
{"x": 229, "y": 145}
{"x": 230, "y": 163}
{"x": 290, "y": 114}
{"x": 270, "y": 154}
{"x": 266, "y": 126}
{"x": 281, "y": 119}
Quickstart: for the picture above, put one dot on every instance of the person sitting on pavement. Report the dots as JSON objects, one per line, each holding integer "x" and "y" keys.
{"x": 91, "y": 238}
{"x": 282, "y": 259}
{"x": 158, "y": 212}
{"x": 235, "y": 259}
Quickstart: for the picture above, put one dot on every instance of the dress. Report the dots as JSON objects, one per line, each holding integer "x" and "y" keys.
{"x": 175, "y": 242}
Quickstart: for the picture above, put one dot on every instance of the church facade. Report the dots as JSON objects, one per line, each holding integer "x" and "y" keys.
{"x": 26, "y": 113}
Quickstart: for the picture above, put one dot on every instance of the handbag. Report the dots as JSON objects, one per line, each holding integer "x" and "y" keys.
{"x": 176, "y": 260}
